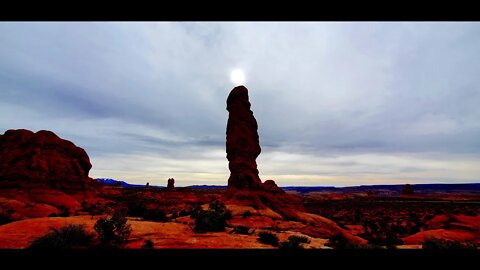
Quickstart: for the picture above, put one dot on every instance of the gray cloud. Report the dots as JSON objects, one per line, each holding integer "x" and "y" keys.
{"x": 318, "y": 90}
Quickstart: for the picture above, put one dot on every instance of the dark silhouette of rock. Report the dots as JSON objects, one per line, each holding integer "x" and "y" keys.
{"x": 171, "y": 184}
{"x": 407, "y": 190}
{"x": 272, "y": 187}
{"x": 242, "y": 142}
{"x": 30, "y": 159}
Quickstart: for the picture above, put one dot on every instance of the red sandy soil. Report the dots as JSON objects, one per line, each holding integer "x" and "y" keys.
{"x": 164, "y": 235}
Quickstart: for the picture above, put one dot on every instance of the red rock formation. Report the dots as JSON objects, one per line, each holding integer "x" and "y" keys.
{"x": 30, "y": 159}
{"x": 171, "y": 184}
{"x": 407, "y": 190}
{"x": 242, "y": 142}
{"x": 272, "y": 187}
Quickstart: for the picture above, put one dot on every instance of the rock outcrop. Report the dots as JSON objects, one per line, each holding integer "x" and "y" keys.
{"x": 242, "y": 142}
{"x": 171, "y": 184}
{"x": 42, "y": 159}
{"x": 407, "y": 190}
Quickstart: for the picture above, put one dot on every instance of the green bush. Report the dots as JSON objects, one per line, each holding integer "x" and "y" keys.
{"x": 268, "y": 238}
{"x": 67, "y": 237}
{"x": 212, "y": 220}
{"x": 113, "y": 231}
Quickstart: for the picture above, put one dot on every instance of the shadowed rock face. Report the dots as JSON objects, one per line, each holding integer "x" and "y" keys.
{"x": 171, "y": 184}
{"x": 242, "y": 142}
{"x": 42, "y": 159}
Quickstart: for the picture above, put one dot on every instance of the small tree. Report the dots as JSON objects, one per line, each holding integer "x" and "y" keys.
{"x": 212, "y": 220}
{"x": 113, "y": 231}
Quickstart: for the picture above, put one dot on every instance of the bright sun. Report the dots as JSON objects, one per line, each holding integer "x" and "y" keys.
{"x": 237, "y": 76}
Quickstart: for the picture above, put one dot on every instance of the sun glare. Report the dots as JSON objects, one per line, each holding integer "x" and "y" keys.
{"x": 237, "y": 76}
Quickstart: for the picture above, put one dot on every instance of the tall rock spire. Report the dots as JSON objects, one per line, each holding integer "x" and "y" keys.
{"x": 242, "y": 142}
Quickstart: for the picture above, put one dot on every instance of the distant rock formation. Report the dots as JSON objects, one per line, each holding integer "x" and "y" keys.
{"x": 171, "y": 184}
{"x": 29, "y": 159}
{"x": 272, "y": 187}
{"x": 407, "y": 190}
{"x": 242, "y": 142}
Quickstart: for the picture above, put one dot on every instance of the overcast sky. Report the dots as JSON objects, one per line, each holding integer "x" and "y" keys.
{"x": 336, "y": 103}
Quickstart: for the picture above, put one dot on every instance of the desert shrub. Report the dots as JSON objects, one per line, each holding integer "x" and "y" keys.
{"x": 299, "y": 239}
{"x": 113, "y": 231}
{"x": 241, "y": 230}
{"x": 294, "y": 241}
{"x": 268, "y": 238}
{"x": 140, "y": 209}
{"x": 183, "y": 213}
{"x": 174, "y": 215}
{"x": 155, "y": 215}
{"x": 247, "y": 214}
{"x": 136, "y": 209}
{"x": 67, "y": 237}
{"x": 64, "y": 212}
{"x": 212, "y": 220}
{"x": 437, "y": 243}
{"x": 6, "y": 216}
{"x": 148, "y": 244}
{"x": 341, "y": 242}
{"x": 220, "y": 208}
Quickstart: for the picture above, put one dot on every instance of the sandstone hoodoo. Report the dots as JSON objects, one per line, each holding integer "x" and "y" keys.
{"x": 171, "y": 184}
{"x": 407, "y": 190}
{"x": 242, "y": 142}
{"x": 42, "y": 159}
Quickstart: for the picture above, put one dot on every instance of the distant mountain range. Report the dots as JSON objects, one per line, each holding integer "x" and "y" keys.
{"x": 418, "y": 188}
{"x": 421, "y": 188}
{"x": 113, "y": 182}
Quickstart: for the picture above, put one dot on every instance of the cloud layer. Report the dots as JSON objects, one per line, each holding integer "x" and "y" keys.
{"x": 337, "y": 103}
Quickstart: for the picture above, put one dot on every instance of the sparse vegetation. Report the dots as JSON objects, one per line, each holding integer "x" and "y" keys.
{"x": 340, "y": 242}
{"x": 140, "y": 209}
{"x": 268, "y": 238}
{"x": 67, "y": 237}
{"x": 294, "y": 242}
{"x": 436, "y": 243}
{"x": 136, "y": 209}
{"x": 247, "y": 214}
{"x": 147, "y": 244}
{"x": 241, "y": 230}
{"x": 155, "y": 215}
{"x": 212, "y": 220}
{"x": 6, "y": 216}
{"x": 113, "y": 231}
{"x": 386, "y": 220}
{"x": 183, "y": 213}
